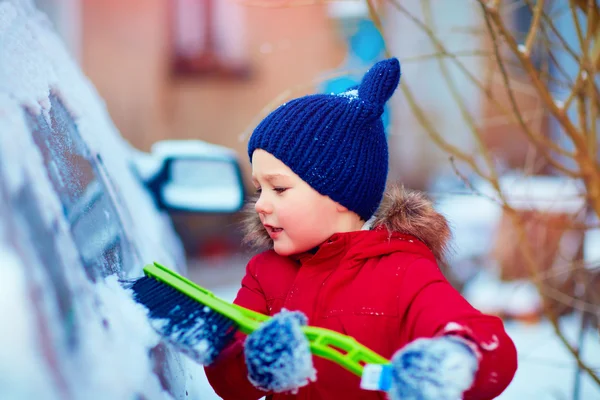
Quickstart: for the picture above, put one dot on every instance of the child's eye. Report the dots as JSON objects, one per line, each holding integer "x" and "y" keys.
{"x": 279, "y": 190}
{"x": 258, "y": 190}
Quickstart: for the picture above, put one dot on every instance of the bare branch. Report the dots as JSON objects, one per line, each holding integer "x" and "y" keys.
{"x": 535, "y": 138}
{"x": 534, "y": 269}
{"x": 515, "y": 107}
{"x": 587, "y": 165}
{"x": 539, "y": 9}
{"x": 575, "y": 18}
{"x": 420, "y": 115}
{"x": 460, "y": 102}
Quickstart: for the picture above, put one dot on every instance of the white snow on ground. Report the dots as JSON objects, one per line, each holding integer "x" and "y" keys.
{"x": 546, "y": 368}
{"x": 488, "y": 294}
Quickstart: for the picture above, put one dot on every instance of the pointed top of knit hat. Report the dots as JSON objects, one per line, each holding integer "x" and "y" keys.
{"x": 336, "y": 142}
{"x": 380, "y": 82}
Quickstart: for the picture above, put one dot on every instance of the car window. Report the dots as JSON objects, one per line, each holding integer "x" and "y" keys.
{"x": 91, "y": 212}
{"x": 28, "y": 216}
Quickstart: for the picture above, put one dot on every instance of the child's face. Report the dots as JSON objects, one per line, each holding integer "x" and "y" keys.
{"x": 296, "y": 216}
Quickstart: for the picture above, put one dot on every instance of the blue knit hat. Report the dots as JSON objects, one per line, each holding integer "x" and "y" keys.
{"x": 336, "y": 143}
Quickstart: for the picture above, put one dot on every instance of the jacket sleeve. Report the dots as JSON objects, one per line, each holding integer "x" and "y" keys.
{"x": 228, "y": 374}
{"x": 432, "y": 307}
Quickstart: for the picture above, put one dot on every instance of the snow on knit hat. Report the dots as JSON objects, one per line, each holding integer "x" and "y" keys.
{"x": 336, "y": 142}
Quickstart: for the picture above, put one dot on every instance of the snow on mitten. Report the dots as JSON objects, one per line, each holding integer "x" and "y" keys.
{"x": 440, "y": 368}
{"x": 277, "y": 354}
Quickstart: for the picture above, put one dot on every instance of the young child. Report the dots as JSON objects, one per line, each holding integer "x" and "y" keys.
{"x": 340, "y": 260}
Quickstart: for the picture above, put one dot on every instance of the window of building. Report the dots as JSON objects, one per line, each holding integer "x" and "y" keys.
{"x": 208, "y": 38}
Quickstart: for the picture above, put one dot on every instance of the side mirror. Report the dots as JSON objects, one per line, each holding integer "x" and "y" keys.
{"x": 193, "y": 176}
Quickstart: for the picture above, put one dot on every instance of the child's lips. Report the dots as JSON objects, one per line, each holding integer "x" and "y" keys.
{"x": 273, "y": 231}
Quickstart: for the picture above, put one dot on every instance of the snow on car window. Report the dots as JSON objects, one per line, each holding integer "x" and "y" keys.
{"x": 73, "y": 171}
{"x": 29, "y": 216}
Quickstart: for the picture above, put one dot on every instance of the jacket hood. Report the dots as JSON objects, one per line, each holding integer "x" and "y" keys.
{"x": 403, "y": 211}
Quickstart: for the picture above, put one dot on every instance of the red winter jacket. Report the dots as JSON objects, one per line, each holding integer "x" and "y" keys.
{"x": 381, "y": 286}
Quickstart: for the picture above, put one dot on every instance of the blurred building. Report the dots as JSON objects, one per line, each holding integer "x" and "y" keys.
{"x": 195, "y": 69}
{"x": 199, "y": 69}
{"x": 207, "y": 69}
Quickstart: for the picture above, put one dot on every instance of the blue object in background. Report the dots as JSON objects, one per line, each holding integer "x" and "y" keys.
{"x": 339, "y": 85}
{"x": 365, "y": 47}
{"x": 367, "y": 43}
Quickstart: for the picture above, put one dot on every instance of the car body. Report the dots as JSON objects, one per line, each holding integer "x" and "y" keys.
{"x": 81, "y": 211}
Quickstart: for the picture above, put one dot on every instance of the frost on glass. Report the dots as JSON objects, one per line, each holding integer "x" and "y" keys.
{"x": 73, "y": 171}
{"x": 28, "y": 216}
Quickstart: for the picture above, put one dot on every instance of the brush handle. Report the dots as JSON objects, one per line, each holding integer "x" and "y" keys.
{"x": 344, "y": 350}
{"x": 341, "y": 349}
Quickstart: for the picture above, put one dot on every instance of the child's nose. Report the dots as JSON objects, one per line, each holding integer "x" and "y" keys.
{"x": 263, "y": 206}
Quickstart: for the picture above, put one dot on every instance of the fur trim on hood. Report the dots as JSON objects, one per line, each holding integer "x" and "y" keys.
{"x": 404, "y": 211}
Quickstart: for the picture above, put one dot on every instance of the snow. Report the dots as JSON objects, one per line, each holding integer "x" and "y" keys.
{"x": 350, "y": 94}
{"x": 347, "y": 9}
{"x": 591, "y": 248}
{"x": 121, "y": 340}
{"x": 221, "y": 199}
{"x": 111, "y": 359}
{"x": 38, "y": 64}
{"x": 192, "y": 148}
{"x": 542, "y": 193}
{"x": 200, "y": 350}
{"x": 101, "y": 347}
{"x": 107, "y": 357}
{"x": 199, "y": 387}
{"x": 18, "y": 379}
{"x": 488, "y": 294}
{"x": 471, "y": 219}
{"x": 546, "y": 369}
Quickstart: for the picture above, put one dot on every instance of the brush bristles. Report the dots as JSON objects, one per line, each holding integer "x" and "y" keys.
{"x": 192, "y": 327}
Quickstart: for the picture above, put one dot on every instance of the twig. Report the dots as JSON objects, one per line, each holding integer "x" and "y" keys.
{"x": 580, "y": 342}
{"x": 579, "y": 82}
{"x": 588, "y": 165}
{"x": 533, "y": 268}
{"x": 559, "y": 36}
{"x": 460, "y": 102}
{"x": 531, "y": 71}
{"x": 590, "y": 73}
{"x": 515, "y": 107}
{"x": 573, "y": 9}
{"x": 543, "y": 142}
{"x": 535, "y": 24}
{"x": 419, "y": 113}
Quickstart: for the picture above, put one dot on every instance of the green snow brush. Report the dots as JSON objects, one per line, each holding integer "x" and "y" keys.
{"x": 200, "y": 324}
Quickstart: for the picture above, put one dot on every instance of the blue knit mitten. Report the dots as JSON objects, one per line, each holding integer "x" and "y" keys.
{"x": 277, "y": 354}
{"x": 440, "y": 368}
